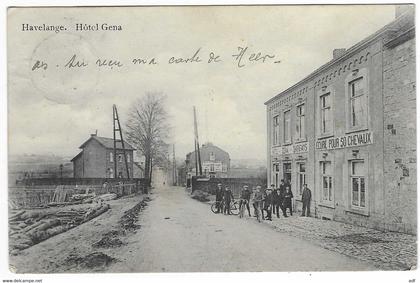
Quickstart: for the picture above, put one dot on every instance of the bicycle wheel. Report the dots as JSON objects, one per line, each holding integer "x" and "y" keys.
{"x": 241, "y": 211}
{"x": 214, "y": 207}
{"x": 234, "y": 208}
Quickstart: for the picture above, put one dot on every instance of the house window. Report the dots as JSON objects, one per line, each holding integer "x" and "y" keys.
{"x": 358, "y": 184}
{"x": 326, "y": 111}
{"x": 212, "y": 157}
{"x": 286, "y": 127}
{"x": 276, "y": 130}
{"x": 128, "y": 157}
{"x": 357, "y": 104}
{"x": 212, "y": 167}
{"x": 300, "y": 122}
{"x": 111, "y": 157}
{"x": 110, "y": 173}
{"x": 326, "y": 179}
{"x": 119, "y": 157}
{"x": 301, "y": 176}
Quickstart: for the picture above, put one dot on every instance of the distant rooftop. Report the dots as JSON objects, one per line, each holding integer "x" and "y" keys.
{"x": 107, "y": 142}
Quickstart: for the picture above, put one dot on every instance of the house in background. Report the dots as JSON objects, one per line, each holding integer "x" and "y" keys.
{"x": 96, "y": 160}
{"x": 215, "y": 162}
{"x": 138, "y": 170}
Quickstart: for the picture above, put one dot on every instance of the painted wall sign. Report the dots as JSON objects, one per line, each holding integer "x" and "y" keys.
{"x": 301, "y": 147}
{"x": 276, "y": 151}
{"x": 350, "y": 140}
{"x": 289, "y": 149}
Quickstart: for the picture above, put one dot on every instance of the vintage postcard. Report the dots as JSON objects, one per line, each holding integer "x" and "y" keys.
{"x": 211, "y": 138}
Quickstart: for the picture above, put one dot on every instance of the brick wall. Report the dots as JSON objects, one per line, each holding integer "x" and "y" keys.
{"x": 399, "y": 93}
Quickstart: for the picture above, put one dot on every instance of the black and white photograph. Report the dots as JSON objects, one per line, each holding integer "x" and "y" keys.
{"x": 211, "y": 138}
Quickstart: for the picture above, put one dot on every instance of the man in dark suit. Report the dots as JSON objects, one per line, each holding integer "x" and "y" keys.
{"x": 282, "y": 193}
{"x": 227, "y": 198}
{"x": 287, "y": 202}
{"x": 306, "y": 200}
{"x": 219, "y": 198}
{"x": 268, "y": 202}
{"x": 276, "y": 202}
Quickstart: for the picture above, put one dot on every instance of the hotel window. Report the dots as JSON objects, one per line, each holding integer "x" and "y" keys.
{"x": 300, "y": 122}
{"x": 287, "y": 125}
{"x": 276, "y": 130}
{"x": 212, "y": 157}
{"x": 358, "y": 105}
{"x": 326, "y": 113}
{"x": 326, "y": 179}
{"x": 111, "y": 157}
{"x": 301, "y": 176}
{"x": 358, "y": 184}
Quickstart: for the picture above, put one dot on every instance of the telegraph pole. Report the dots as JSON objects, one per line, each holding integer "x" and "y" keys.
{"x": 117, "y": 128}
{"x": 197, "y": 146}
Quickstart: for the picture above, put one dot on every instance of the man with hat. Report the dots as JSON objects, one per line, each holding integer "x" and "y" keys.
{"x": 306, "y": 200}
{"x": 257, "y": 202}
{"x": 219, "y": 198}
{"x": 227, "y": 198}
{"x": 268, "y": 202}
{"x": 281, "y": 197}
{"x": 245, "y": 197}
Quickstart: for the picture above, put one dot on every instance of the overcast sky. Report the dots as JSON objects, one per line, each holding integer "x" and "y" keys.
{"x": 54, "y": 111}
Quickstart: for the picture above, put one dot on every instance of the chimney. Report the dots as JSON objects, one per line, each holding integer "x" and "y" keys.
{"x": 338, "y": 52}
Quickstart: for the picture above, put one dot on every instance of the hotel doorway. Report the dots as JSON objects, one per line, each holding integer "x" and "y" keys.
{"x": 276, "y": 175}
{"x": 287, "y": 172}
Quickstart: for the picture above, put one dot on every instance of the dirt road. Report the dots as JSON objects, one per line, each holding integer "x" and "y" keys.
{"x": 176, "y": 234}
{"x": 181, "y": 234}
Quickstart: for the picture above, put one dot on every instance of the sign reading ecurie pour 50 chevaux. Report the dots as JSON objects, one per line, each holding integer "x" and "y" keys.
{"x": 351, "y": 140}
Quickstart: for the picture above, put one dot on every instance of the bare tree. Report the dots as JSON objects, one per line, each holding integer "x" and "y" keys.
{"x": 148, "y": 129}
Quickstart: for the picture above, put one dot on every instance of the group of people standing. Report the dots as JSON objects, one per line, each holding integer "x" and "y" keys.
{"x": 268, "y": 202}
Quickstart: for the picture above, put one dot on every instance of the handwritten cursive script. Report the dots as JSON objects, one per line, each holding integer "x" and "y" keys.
{"x": 242, "y": 57}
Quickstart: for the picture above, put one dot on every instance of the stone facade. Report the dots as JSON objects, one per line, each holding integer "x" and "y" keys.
{"x": 96, "y": 160}
{"x": 400, "y": 134}
{"x": 348, "y": 131}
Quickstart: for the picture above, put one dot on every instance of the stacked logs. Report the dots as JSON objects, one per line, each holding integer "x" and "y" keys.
{"x": 27, "y": 228}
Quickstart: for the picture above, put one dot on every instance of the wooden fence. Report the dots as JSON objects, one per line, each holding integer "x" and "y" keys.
{"x": 42, "y": 193}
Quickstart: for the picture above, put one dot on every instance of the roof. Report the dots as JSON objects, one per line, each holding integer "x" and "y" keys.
{"x": 77, "y": 156}
{"x": 107, "y": 143}
{"x": 207, "y": 146}
{"x": 349, "y": 52}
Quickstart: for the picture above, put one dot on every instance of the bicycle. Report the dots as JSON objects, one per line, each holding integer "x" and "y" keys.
{"x": 242, "y": 206}
{"x": 216, "y": 205}
{"x": 257, "y": 211}
{"x": 234, "y": 207}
